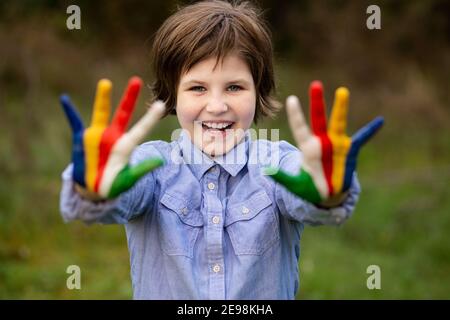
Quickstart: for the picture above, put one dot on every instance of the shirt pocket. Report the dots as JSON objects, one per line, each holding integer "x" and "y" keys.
{"x": 252, "y": 225}
{"x": 179, "y": 224}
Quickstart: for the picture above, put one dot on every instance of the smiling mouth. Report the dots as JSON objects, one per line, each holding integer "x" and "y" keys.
{"x": 219, "y": 127}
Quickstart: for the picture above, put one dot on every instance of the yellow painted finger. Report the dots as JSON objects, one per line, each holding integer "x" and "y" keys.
{"x": 341, "y": 147}
{"x": 340, "y": 141}
{"x": 91, "y": 140}
{"x": 93, "y": 134}
{"x": 102, "y": 104}
{"x": 338, "y": 119}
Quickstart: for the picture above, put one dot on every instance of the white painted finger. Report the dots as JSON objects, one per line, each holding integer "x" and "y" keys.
{"x": 297, "y": 122}
{"x": 143, "y": 127}
{"x": 312, "y": 154}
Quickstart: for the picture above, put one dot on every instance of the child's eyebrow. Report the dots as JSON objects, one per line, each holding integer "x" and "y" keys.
{"x": 239, "y": 80}
{"x": 193, "y": 81}
{"x": 199, "y": 82}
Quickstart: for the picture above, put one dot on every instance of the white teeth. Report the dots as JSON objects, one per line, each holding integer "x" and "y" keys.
{"x": 216, "y": 125}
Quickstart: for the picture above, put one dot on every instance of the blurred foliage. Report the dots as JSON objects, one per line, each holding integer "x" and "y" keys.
{"x": 400, "y": 72}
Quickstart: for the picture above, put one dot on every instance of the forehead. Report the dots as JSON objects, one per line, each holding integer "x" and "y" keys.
{"x": 230, "y": 66}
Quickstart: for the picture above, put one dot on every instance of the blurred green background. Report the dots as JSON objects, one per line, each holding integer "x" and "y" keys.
{"x": 401, "y": 72}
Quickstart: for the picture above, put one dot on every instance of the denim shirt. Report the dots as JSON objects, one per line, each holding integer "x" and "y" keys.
{"x": 211, "y": 228}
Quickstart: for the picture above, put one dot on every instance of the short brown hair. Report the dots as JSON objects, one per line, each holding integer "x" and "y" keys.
{"x": 213, "y": 29}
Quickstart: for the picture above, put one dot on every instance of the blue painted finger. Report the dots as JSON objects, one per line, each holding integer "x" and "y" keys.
{"x": 365, "y": 133}
{"x": 71, "y": 113}
{"x": 78, "y": 160}
{"x": 359, "y": 139}
{"x": 350, "y": 166}
{"x": 77, "y": 140}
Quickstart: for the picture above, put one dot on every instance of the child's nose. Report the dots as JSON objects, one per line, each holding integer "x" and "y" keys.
{"x": 217, "y": 105}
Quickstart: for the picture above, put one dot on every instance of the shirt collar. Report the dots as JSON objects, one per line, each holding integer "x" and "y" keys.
{"x": 232, "y": 162}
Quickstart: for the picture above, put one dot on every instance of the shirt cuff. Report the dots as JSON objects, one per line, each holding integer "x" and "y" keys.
{"x": 75, "y": 207}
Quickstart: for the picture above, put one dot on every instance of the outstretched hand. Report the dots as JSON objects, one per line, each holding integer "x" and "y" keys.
{"x": 100, "y": 153}
{"x": 329, "y": 155}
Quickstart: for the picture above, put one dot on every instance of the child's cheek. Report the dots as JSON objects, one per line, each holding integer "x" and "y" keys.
{"x": 247, "y": 112}
{"x": 186, "y": 110}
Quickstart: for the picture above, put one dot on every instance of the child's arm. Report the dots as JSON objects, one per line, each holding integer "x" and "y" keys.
{"x": 100, "y": 169}
{"x": 329, "y": 156}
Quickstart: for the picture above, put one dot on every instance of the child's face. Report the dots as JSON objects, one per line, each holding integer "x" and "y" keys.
{"x": 216, "y": 105}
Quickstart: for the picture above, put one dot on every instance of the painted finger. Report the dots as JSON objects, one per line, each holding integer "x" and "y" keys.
{"x": 77, "y": 140}
{"x": 317, "y": 108}
{"x": 145, "y": 124}
{"x": 302, "y": 185}
{"x": 338, "y": 118}
{"x": 126, "y": 178}
{"x": 297, "y": 122}
{"x": 102, "y": 104}
{"x": 365, "y": 133}
{"x": 72, "y": 114}
{"x": 358, "y": 139}
{"x": 126, "y": 106}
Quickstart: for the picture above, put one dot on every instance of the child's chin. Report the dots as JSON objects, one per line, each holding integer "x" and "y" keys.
{"x": 217, "y": 149}
{"x": 218, "y": 145}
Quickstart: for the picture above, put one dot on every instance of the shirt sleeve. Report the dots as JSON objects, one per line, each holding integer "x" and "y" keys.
{"x": 298, "y": 209}
{"x": 127, "y": 206}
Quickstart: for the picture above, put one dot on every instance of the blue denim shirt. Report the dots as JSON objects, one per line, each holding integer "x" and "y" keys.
{"x": 203, "y": 228}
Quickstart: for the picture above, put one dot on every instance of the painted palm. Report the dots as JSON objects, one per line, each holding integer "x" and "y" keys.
{"x": 329, "y": 155}
{"x": 101, "y": 152}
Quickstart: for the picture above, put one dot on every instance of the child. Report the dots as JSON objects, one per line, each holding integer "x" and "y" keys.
{"x": 210, "y": 223}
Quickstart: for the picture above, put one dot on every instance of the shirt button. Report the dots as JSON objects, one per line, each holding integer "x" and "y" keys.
{"x": 184, "y": 210}
{"x": 245, "y": 210}
{"x": 211, "y": 186}
{"x": 216, "y": 219}
{"x": 216, "y": 268}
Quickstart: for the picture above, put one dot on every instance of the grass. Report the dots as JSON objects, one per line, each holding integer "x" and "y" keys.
{"x": 402, "y": 230}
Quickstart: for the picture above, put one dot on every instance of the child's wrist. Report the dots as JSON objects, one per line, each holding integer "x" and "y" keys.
{"x": 88, "y": 195}
{"x": 334, "y": 201}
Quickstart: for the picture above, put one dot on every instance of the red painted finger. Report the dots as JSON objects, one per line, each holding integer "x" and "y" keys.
{"x": 327, "y": 160}
{"x": 317, "y": 108}
{"x": 125, "y": 110}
